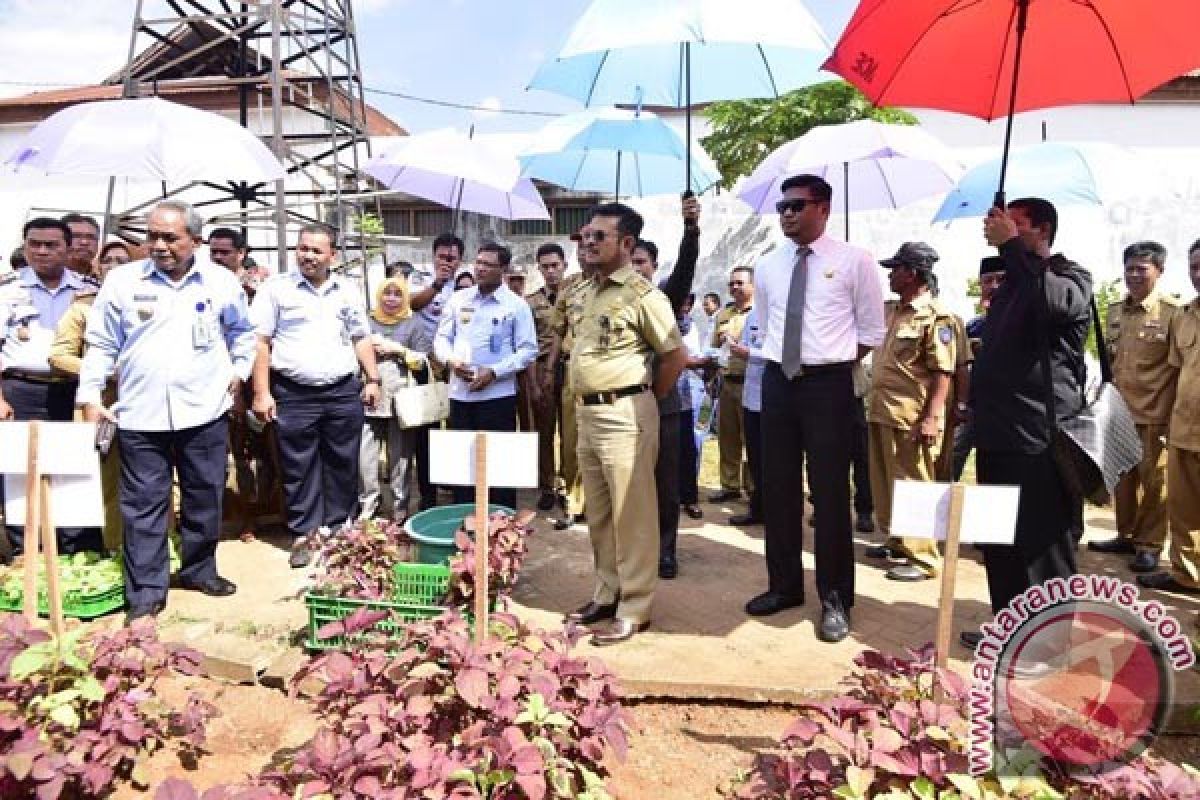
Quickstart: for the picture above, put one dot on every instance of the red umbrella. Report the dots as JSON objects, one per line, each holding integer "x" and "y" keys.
{"x": 993, "y": 58}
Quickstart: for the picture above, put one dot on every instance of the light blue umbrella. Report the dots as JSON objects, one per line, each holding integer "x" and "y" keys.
{"x": 680, "y": 52}
{"x": 1065, "y": 173}
{"x": 613, "y": 149}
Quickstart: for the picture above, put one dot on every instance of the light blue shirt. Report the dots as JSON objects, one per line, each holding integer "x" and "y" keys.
{"x": 752, "y": 338}
{"x": 175, "y": 347}
{"x": 30, "y": 314}
{"x": 312, "y": 330}
{"x": 493, "y": 330}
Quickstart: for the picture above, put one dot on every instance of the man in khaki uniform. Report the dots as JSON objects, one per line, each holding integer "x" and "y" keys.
{"x": 1137, "y": 340}
{"x": 568, "y": 307}
{"x": 531, "y": 403}
{"x": 1183, "y": 442}
{"x": 551, "y": 261}
{"x": 731, "y": 434}
{"x": 911, "y": 375}
{"x": 625, "y": 322}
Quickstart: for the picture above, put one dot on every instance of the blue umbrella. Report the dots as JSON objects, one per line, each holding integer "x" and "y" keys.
{"x": 601, "y": 149}
{"x": 679, "y": 52}
{"x": 1065, "y": 173}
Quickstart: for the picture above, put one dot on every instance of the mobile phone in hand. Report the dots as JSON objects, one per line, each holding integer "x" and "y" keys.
{"x": 106, "y": 432}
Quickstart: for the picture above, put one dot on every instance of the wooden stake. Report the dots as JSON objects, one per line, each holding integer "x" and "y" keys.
{"x": 33, "y": 524}
{"x": 50, "y": 549}
{"x": 481, "y": 538}
{"x": 945, "y": 621}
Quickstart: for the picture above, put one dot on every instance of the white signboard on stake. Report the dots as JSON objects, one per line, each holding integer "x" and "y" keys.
{"x": 512, "y": 459}
{"x": 67, "y": 455}
{"x": 921, "y": 510}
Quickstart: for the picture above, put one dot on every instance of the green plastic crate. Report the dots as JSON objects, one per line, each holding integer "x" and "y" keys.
{"x": 418, "y": 593}
{"x": 85, "y": 606}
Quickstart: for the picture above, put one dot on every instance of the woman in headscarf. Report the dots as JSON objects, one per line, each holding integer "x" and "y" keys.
{"x": 400, "y": 342}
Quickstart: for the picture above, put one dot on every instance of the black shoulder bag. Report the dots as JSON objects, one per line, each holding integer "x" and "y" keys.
{"x": 1094, "y": 447}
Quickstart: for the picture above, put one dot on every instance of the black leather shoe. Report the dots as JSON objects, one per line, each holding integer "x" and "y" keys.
{"x": 139, "y": 612}
{"x": 1145, "y": 561}
{"x": 835, "y": 621}
{"x": 300, "y": 556}
{"x": 692, "y": 510}
{"x": 563, "y": 523}
{"x": 592, "y": 612}
{"x": 970, "y": 639}
{"x": 621, "y": 630}
{"x": 1118, "y": 544}
{"x": 742, "y": 520}
{"x": 668, "y": 568}
{"x": 546, "y": 501}
{"x": 864, "y": 524}
{"x": 724, "y": 496}
{"x": 1165, "y": 582}
{"x": 772, "y": 603}
{"x": 215, "y": 586}
{"x": 878, "y": 551}
{"x": 909, "y": 573}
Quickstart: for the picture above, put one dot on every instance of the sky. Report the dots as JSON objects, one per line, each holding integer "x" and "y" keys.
{"x": 472, "y": 52}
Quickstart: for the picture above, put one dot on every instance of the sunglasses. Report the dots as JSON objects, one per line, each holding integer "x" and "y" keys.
{"x": 593, "y": 236}
{"x": 796, "y": 206}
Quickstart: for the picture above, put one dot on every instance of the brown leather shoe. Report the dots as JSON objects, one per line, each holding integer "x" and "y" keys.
{"x": 621, "y": 630}
{"x": 592, "y": 612}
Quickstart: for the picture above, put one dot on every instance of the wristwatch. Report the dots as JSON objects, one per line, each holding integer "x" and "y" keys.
{"x": 369, "y": 381}
{"x": 961, "y": 406}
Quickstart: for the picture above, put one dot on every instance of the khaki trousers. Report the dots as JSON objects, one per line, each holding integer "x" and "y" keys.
{"x": 618, "y": 446}
{"x": 545, "y": 420}
{"x": 1141, "y": 496}
{"x": 731, "y": 439}
{"x": 895, "y": 456}
{"x": 1183, "y": 507}
{"x": 568, "y": 433}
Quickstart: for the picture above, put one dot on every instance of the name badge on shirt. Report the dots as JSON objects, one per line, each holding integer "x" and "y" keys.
{"x": 464, "y": 316}
{"x": 496, "y": 340}
{"x": 203, "y": 329}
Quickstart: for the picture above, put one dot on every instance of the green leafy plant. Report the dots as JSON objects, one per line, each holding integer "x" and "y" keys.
{"x": 745, "y": 131}
{"x": 80, "y": 713}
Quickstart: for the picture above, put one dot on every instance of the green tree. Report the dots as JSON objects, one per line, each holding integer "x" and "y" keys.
{"x": 744, "y": 132}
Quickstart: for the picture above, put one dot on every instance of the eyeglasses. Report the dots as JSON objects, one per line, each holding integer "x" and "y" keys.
{"x": 797, "y": 205}
{"x": 479, "y": 262}
{"x": 593, "y": 236}
{"x": 735, "y": 284}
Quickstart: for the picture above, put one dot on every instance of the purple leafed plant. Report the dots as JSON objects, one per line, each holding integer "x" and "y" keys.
{"x": 356, "y": 561}
{"x": 506, "y": 554}
{"x": 81, "y": 713}
{"x": 436, "y": 716}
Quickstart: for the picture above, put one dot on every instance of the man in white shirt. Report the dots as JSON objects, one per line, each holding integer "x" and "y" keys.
{"x": 821, "y": 308}
{"x": 485, "y": 337}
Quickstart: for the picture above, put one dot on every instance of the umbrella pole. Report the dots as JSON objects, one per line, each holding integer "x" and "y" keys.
{"x": 617, "y": 191}
{"x": 846, "y": 196}
{"x": 687, "y": 116}
{"x": 1022, "y": 19}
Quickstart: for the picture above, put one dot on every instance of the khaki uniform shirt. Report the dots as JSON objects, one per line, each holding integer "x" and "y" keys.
{"x": 567, "y": 308}
{"x": 920, "y": 343}
{"x": 1137, "y": 339}
{"x": 624, "y": 321}
{"x": 66, "y": 352}
{"x": 730, "y": 322}
{"x": 1184, "y": 355}
{"x": 542, "y": 314}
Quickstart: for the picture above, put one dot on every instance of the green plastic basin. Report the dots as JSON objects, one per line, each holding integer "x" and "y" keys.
{"x": 433, "y": 530}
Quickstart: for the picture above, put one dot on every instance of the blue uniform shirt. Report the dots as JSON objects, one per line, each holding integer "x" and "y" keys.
{"x": 492, "y": 330}
{"x": 30, "y": 315}
{"x": 312, "y": 331}
{"x": 175, "y": 347}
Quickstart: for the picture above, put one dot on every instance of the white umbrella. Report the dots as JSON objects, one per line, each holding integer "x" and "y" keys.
{"x": 869, "y": 164}
{"x": 458, "y": 172}
{"x": 147, "y": 138}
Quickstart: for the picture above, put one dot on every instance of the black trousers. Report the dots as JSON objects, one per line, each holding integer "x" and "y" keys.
{"x": 808, "y": 419}
{"x": 689, "y": 456}
{"x": 497, "y": 414}
{"x": 198, "y": 455}
{"x": 666, "y": 481}
{"x": 752, "y": 422}
{"x": 1044, "y": 547}
{"x": 320, "y": 429}
{"x": 47, "y": 402}
{"x": 863, "y": 503}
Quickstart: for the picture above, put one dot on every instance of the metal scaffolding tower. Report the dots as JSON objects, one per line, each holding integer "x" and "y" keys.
{"x": 295, "y": 67}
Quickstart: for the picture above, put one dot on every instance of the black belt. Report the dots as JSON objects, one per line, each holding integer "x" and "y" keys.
{"x": 734, "y": 378}
{"x": 611, "y": 396}
{"x": 817, "y": 369}
{"x": 36, "y": 377}
{"x": 286, "y": 381}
